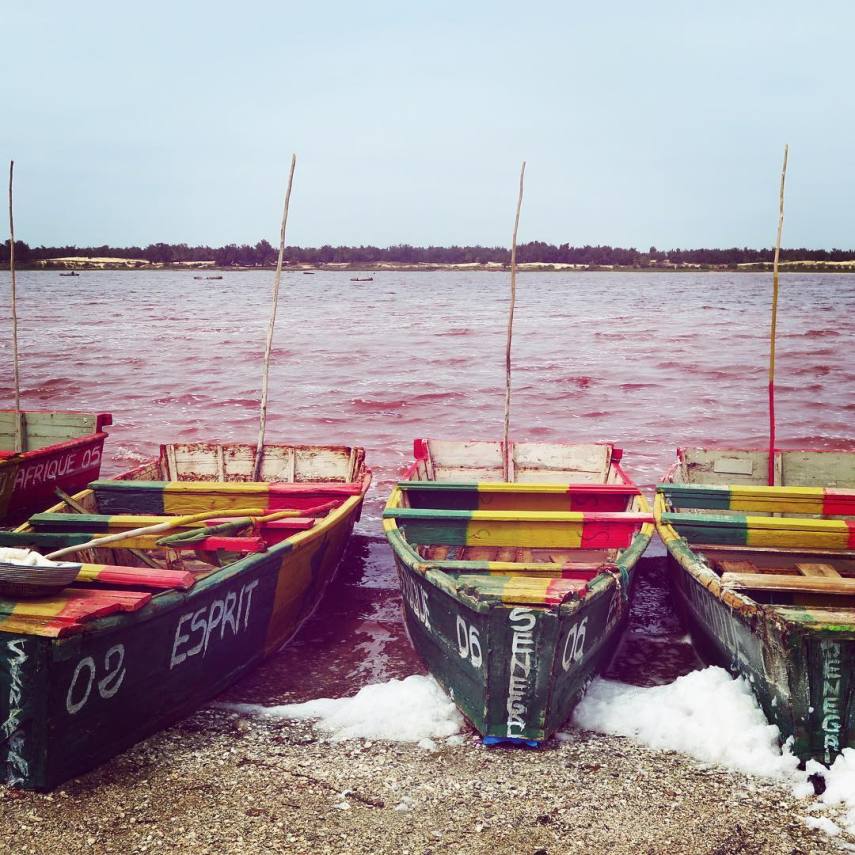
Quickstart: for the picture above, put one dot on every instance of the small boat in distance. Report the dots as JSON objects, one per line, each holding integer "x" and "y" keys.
{"x": 361, "y": 278}
{"x": 72, "y": 273}
{"x": 206, "y": 573}
{"x": 516, "y": 592}
{"x": 308, "y": 273}
{"x": 765, "y": 577}
{"x": 58, "y": 449}
{"x": 213, "y": 277}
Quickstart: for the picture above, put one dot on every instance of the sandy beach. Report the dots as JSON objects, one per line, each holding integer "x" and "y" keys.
{"x": 219, "y": 782}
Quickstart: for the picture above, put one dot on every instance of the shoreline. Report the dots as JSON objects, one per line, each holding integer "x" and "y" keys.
{"x": 202, "y": 267}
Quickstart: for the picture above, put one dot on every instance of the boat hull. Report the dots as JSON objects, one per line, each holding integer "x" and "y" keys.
{"x": 801, "y": 675}
{"x": 29, "y": 479}
{"x": 515, "y": 672}
{"x": 70, "y": 703}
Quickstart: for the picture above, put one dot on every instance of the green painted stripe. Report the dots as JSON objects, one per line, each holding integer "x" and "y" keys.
{"x": 690, "y": 496}
{"x": 729, "y": 521}
{"x": 71, "y": 522}
{"x": 736, "y": 535}
{"x": 429, "y": 532}
{"x": 54, "y": 540}
{"x": 466, "y": 497}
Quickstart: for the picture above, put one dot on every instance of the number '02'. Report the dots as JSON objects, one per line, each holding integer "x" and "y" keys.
{"x": 84, "y": 677}
{"x": 468, "y": 643}
{"x": 574, "y": 646}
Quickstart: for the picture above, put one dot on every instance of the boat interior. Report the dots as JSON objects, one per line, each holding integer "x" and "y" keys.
{"x": 38, "y": 429}
{"x": 566, "y": 516}
{"x": 172, "y": 522}
{"x": 790, "y": 544}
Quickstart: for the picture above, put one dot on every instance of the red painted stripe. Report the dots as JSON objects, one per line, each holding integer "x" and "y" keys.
{"x": 838, "y": 503}
{"x": 851, "y": 526}
{"x": 585, "y": 574}
{"x": 144, "y": 577}
{"x": 559, "y": 589}
{"x": 230, "y": 544}
{"x": 607, "y": 535}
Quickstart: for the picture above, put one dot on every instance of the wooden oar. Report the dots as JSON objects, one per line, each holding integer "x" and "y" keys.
{"x": 76, "y": 506}
{"x": 155, "y": 529}
{"x": 201, "y": 533}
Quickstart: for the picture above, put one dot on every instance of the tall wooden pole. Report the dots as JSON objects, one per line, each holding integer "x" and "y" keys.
{"x": 262, "y": 421}
{"x": 506, "y": 455}
{"x": 774, "y": 326}
{"x": 19, "y": 434}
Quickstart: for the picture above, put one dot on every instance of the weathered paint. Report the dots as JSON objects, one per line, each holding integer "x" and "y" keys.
{"x": 498, "y": 496}
{"x": 66, "y": 451}
{"x": 77, "y": 688}
{"x": 514, "y": 642}
{"x": 798, "y": 659}
{"x": 751, "y": 531}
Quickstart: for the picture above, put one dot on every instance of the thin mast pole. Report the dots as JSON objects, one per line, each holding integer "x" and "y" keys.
{"x": 19, "y": 438}
{"x": 774, "y": 325}
{"x": 506, "y": 458}
{"x": 262, "y": 421}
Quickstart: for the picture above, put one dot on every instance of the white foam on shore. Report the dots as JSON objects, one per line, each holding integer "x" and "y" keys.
{"x": 716, "y": 719}
{"x": 414, "y": 709}
{"x": 705, "y": 714}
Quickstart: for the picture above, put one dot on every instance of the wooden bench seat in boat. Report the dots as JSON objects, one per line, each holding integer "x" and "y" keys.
{"x": 819, "y": 501}
{"x": 519, "y": 590}
{"x": 785, "y": 582}
{"x": 496, "y": 496}
{"x": 271, "y": 532}
{"x": 122, "y": 576}
{"x": 775, "y": 532}
{"x": 191, "y": 497}
{"x": 537, "y": 529}
{"x": 48, "y": 541}
{"x": 66, "y": 613}
{"x": 799, "y": 568}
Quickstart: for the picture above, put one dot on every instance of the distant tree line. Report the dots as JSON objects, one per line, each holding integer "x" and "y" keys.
{"x": 262, "y": 253}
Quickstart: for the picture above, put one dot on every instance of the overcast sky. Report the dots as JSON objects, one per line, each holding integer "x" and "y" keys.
{"x": 642, "y": 123}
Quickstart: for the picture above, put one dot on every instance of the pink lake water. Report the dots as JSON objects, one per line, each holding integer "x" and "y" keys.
{"x": 647, "y": 361}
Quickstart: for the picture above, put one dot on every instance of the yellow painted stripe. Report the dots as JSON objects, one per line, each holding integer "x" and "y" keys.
{"x": 787, "y": 500}
{"x": 180, "y": 504}
{"x": 798, "y": 539}
{"x": 534, "y": 534}
{"x": 520, "y": 589}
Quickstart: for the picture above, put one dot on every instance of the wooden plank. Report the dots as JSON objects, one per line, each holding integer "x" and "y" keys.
{"x": 738, "y": 567}
{"x": 816, "y": 569}
{"x": 800, "y": 584}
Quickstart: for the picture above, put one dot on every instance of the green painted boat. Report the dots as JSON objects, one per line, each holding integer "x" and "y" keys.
{"x": 765, "y": 577}
{"x": 515, "y": 591}
{"x": 200, "y": 573}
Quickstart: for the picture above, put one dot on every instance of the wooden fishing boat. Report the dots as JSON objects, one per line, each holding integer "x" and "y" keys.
{"x": 766, "y": 578}
{"x": 158, "y": 621}
{"x": 59, "y": 449}
{"x": 515, "y": 591}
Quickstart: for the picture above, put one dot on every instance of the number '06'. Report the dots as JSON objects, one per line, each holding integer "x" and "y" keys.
{"x": 84, "y": 678}
{"x": 468, "y": 643}
{"x": 574, "y": 647}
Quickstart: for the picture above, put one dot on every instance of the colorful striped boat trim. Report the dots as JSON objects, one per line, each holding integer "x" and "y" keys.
{"x": 821, "y": 501}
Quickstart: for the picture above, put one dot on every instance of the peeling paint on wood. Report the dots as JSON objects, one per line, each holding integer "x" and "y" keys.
{"x": 516, "y": 635}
